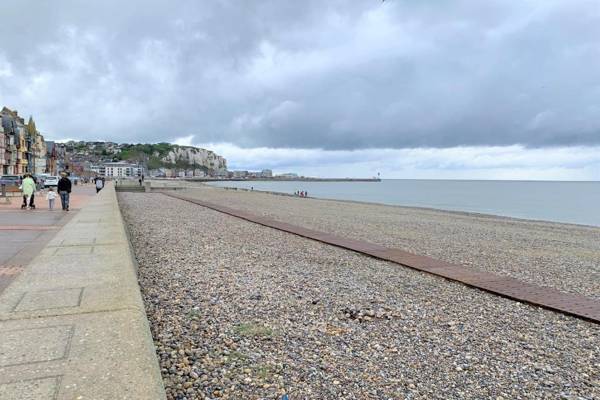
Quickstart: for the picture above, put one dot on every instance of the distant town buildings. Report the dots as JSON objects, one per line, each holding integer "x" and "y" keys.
{"x": 122, "y": 170}
{"x": 264, "y": 174}
{"x": 288, "y": 175}
{"x": 24, "y": 150}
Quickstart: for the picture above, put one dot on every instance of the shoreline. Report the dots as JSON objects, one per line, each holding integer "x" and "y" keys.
{"x": 553, "y": 254}
{"x": 299, "y": 179}
{"x": 458, "y": 212}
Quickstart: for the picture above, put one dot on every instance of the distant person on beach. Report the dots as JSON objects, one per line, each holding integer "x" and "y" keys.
{"x": 28, "y": 189}
{"x": 51, "y": 196}
{"x": 64, "y": 190}
{"x": 99, "y": 184}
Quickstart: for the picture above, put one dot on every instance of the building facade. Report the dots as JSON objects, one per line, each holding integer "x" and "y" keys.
{"x": 122, "y": 170}
{"x": 51, "y": 156}
{"x": 99, "y": 169}
{"x": 3, "y": 145}
{"x": 22, "y": 147}
{"x": 14, "y": 128}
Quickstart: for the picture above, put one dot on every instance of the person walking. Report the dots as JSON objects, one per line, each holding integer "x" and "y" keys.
{"x": 99, "y": 184}
{"x": 64, "y": 190}
{"x": 28, "y": 188}
{"x": 51, "y": 196}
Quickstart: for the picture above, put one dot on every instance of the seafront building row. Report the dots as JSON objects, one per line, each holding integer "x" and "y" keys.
{"x": 23, "y": 148}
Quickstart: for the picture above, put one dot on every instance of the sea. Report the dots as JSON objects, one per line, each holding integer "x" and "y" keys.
{"x": 557, "y": 201}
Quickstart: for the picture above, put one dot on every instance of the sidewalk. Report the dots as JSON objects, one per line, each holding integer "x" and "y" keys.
{"x": 78, "y": 198}
{"x": 73, "y": 325}
{"x": 24, "y": 233}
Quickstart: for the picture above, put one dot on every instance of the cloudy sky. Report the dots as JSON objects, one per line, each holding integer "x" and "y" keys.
{"x": 430, "y": 89}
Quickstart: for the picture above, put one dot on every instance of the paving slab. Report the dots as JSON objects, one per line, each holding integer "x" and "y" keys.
{"x": 72, "y": 324}
{"x": 96, "y": 356}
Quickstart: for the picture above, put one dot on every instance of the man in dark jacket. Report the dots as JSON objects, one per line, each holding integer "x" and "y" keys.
{"x": 64, "y": 189}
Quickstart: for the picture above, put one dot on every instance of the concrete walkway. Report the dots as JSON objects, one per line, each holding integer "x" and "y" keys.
{"x": 24, "y": 233}
{"x": 72, "y": 324}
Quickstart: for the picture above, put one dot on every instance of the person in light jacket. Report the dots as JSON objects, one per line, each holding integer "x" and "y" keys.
{"x": 99, "y": 184}
{"x": 64, "y": 190}
{"x": 28, "y": 188}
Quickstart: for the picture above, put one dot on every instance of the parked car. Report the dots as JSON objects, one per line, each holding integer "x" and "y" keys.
{"x": 10, "y": 180}
{"x": 51, "y": 181}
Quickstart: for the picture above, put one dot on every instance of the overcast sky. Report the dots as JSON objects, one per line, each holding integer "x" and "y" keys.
{"x": 406, "y": 88}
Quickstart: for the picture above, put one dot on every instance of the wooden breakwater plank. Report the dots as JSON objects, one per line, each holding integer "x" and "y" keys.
{"x": 567, "y": 303}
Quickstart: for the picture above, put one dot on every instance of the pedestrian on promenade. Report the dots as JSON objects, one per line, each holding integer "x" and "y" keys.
{"x": 28, "y": 188}
{"x": 64, "y": 190}
{"x": 35, "y": 183}
{"x": 99, "y": 184}
{"x": 140, "y": 181}
{"x": 51, "y": 196}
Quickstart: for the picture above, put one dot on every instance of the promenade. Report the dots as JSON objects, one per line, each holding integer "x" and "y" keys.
{"x": 24, "y": 233}
{"x": 71, "y": 318}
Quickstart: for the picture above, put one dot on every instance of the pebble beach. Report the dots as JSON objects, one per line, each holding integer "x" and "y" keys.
{"x": 563, "y": 256}
{"x": 242, "y": 311}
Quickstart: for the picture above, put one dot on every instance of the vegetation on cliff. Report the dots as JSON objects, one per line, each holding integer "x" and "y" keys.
{"x": 152, "y": 155}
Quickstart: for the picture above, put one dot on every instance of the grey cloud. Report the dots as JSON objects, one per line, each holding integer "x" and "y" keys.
{"x": 311, "y": 74}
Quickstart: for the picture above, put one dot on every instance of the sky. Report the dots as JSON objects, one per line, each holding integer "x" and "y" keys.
{"x": 464, "y": 89}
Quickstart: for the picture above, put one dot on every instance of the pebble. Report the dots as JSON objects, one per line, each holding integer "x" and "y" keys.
{"x": 383, "y": 330}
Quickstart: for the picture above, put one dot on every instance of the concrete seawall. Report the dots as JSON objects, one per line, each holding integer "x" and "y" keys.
{"x": 73, "y": 325}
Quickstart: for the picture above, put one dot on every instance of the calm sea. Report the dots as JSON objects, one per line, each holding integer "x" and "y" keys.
{"x": 572, "y": 202}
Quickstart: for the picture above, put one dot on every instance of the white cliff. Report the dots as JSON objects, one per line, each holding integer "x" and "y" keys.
{"x": 195, "y": 156}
